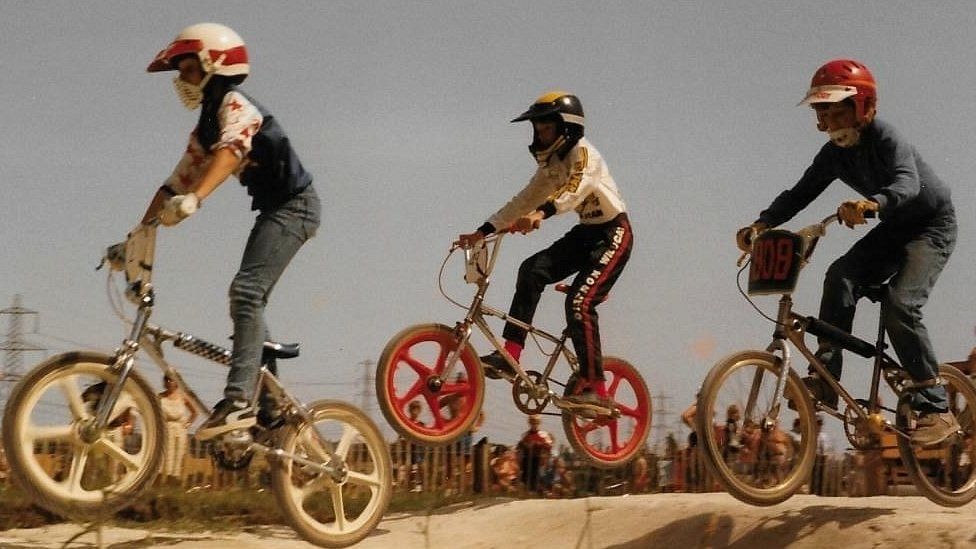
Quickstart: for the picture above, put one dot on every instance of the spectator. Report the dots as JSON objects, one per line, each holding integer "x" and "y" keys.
{"x": 504, "y": 470}
{"x": 416, "y": 451}
{"x": 640, "y": 475}
{"x": 688, "y": 418}
{"x": 534, "y": 449}
{"x": 819, "y": 464}
{"x": 730, "y": 438}
{"x": 179, "y": 414}
{"x": 4, "y": 467}
{"x": 558, "y": 480}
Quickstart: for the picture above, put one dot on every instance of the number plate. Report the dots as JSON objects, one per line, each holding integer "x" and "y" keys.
{"x": 775, "y": 264}
{"x": 477, "y": 263}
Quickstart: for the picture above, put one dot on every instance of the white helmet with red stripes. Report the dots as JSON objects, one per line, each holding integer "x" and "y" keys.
{"x": 220, "y": 50}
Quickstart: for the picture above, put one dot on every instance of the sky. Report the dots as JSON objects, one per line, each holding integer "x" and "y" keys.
{"x": 400, "y": 110}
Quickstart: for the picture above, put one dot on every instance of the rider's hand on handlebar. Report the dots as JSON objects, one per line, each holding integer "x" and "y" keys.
{"x": 852, "y": 212}
{"x": 178, "y": 208}
{"x": 115, "y": 256}
{"x": 528, "y": 223}
{"x": 744, "y": 236}
{"x": 470, "y": 239}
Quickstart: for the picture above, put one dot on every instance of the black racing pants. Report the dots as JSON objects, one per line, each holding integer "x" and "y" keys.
{"x": 597, "y": 255}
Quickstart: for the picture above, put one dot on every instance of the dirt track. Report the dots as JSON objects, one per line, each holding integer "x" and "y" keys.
{"x": 671, "y": 521}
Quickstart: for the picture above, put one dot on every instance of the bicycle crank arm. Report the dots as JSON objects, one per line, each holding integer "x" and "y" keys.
{"x": 601, "y": 411}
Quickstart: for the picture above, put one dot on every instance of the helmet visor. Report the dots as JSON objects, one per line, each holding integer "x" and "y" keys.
{"x": 828, "y": 94}
{"x": 178, "y": 47}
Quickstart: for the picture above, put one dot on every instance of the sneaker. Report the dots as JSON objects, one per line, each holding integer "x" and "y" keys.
{"x": 934, "y": 427}
{"x": 227, "y": 415}
{"x": 588, "y": 404}
{"x": 496, "y": 367}
{"x": 820, "y": 391}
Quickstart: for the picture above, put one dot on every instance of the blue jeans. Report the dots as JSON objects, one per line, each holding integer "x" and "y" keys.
{"x": 910, "y": 259}
{"x": 275, "y": 238}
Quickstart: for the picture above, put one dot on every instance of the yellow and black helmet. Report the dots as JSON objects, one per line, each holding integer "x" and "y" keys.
{"x": 565, "y": 106}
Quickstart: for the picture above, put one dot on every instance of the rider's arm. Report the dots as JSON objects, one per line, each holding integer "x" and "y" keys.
{"x": 223, "y": 164}
{"x": 817, "y": 177}
{"x": 526, "y": 201}
{"x": 163, "y": 194}
{"x": 240, "y": 120}
{"x": 905, "y": 182}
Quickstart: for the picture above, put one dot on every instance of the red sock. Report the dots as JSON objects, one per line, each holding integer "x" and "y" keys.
{"x": 514, "y": 349}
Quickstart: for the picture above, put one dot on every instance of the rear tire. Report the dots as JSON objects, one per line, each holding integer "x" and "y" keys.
{"x": 61, "y": 467}
{"x": 607, "y": 443}
{"x": 320, "y": 509}
{"x": 945, "y": 473}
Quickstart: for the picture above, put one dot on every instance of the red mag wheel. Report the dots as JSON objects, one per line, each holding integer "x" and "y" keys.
{"x": 418, "y": 397}
{"x": 612, "y": 442}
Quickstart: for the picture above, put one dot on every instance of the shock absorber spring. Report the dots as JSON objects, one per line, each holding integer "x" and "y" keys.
{"x": 203, "y": 348}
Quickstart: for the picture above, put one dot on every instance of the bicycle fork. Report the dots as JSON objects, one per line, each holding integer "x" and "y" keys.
{"x": 124, "y": 360}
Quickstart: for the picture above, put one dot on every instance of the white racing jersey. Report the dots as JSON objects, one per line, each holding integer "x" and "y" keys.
{"x": 580, "y": 181}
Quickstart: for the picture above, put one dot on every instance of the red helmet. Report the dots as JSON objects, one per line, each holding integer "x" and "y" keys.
{"x": 840, "y": 79}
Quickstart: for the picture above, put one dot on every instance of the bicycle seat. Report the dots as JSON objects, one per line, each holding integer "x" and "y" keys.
{"x": 282, "y": 350}
{"x": 873, "y": 292}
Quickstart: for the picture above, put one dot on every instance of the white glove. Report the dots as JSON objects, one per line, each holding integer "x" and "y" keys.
{"x": 178, "y": 208}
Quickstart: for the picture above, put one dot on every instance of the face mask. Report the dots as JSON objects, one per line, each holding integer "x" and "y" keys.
{"x": 190, "y": 94}
{"x": 542, "y": 156}
{"x": 845, "y": 137}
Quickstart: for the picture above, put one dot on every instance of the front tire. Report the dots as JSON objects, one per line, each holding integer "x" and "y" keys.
{"x": 412, "y": 370}
{"x": 761, "y": 463}
{"x": 323, "y": 510}
{"x": 60, "y": 463}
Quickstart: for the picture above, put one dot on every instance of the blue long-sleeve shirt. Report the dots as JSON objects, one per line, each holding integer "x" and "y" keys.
{"x": 882, "y": 167}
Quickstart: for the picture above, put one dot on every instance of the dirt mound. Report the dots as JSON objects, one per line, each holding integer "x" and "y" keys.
{"x": 671, "y": 521}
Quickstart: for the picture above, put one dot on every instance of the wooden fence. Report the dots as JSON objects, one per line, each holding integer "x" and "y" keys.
{"x": 485, "y": 468}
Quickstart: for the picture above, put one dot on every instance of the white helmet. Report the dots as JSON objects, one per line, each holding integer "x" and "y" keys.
{"x": 220, "y": 51}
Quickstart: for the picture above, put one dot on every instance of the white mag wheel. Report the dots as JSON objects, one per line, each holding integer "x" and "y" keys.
{"x": 945, "y": 473}
{"x": 59, "y": 459}
{"x": 334, "y": 510}
{"x": 758, "y": 448}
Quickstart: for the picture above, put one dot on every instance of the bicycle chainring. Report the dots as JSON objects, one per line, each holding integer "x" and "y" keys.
{"x": 860, "y": 431}
{"x": 527, "y": 399}
{"x": 232, "y": 452}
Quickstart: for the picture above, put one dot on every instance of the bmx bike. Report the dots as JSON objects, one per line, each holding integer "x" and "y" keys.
{"x": 774, "y": 451}
{"x": 329, "y": 465}
{"x": 436, "y": 365}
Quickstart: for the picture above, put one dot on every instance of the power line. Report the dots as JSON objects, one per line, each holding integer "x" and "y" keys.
{"x": 367, "y": 395}
{"x": 662, "y": 425}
